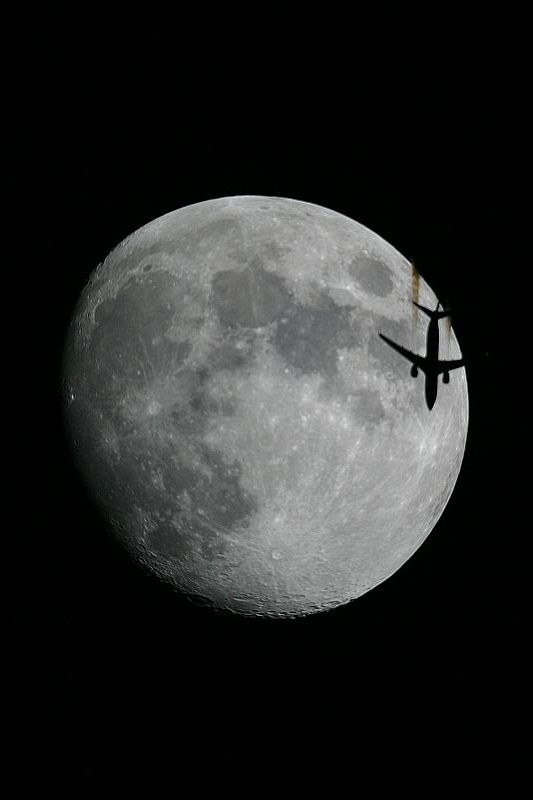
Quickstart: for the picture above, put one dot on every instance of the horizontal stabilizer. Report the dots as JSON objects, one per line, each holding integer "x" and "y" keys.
{"x": 447, "y": 366}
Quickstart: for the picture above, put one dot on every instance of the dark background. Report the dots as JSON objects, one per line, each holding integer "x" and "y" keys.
{"x": 113, "y": 658}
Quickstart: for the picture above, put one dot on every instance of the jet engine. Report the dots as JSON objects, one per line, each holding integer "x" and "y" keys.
{"x": 414, "y": 371}
{"x": 446, "y": 377}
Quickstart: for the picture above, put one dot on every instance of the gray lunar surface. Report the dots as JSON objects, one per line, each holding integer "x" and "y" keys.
{"x": 248, "y": 436}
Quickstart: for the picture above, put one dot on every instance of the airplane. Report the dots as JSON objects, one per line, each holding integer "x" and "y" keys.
{"x": 429, "y": 364}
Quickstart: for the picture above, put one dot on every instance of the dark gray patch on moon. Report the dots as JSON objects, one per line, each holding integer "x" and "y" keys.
{"x": 189, "y": 389}
{"x": 252, "y": 298}
{"x": 205, "y": 502}
{"x": 372, "y": 275}
{"x": 308, "y": 337}
{"x": 165, "y": 540}
{"x": 225, "y": 504}
{"x": 199, "y": 503}
{"x": 230, "y": 354}
{"x": 128, "y": 336}
{"x": 274, "y": 251}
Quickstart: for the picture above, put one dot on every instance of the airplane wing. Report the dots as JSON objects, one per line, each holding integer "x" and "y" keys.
{"x": 446, "y": 366}
{"x": 420, "y": 361}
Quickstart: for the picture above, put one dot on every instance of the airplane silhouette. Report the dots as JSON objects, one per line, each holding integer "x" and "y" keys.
{"x": 429, "y": 364}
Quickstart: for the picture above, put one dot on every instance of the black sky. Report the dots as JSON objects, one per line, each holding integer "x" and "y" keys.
{"x": 429, "y": 172}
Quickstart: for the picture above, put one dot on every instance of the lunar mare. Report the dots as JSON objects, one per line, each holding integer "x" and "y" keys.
{"x": 236, "y": 417}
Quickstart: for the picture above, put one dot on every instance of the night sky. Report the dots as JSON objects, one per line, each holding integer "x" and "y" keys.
{"x": 106, "y": 653}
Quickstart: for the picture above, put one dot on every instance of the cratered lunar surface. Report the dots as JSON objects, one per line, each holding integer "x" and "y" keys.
{"x": 248, "y": 436}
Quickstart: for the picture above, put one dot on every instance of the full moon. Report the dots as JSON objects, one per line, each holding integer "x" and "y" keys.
{"x": 247, "y": 435}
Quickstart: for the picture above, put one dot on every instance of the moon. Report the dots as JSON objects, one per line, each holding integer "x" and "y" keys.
{"x": 249, "y": 438}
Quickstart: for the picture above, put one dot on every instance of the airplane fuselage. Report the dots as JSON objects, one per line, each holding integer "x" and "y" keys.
{"x": 432, "y": 340}
{"x": 432, "y": 387}
{"x": 432, "y": 355}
